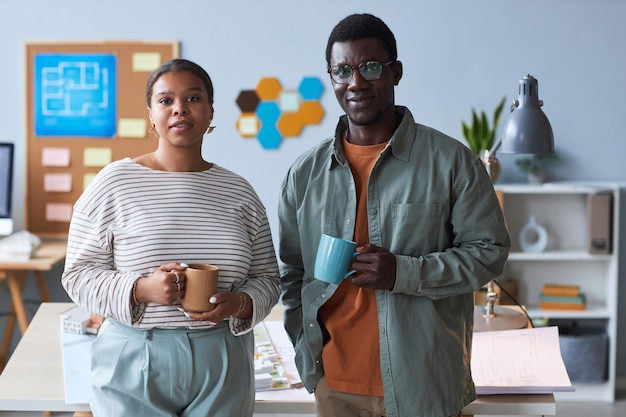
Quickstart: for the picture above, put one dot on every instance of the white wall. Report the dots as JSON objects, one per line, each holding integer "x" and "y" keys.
{"x": 457, "y": 55}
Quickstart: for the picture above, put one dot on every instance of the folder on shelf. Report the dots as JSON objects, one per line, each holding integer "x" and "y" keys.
{"x": 578, "y": 299}
{"x": 547, "y": 305}
{"x": 549, "y": 302}
{"x": 561, "y": 290}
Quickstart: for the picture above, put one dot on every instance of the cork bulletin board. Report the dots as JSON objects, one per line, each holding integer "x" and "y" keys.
{"x": 85, "y": 108}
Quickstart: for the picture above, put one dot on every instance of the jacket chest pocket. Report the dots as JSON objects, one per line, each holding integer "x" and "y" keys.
{"x": 416, "y": 227}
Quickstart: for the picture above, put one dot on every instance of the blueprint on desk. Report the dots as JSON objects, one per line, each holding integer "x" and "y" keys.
{"x": 525, "y": 361}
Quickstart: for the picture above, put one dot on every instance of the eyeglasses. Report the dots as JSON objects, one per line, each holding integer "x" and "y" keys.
{"x": 369, "y": 70}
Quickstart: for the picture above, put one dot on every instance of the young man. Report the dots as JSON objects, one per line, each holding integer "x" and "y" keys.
{"x": 395, "y": 338}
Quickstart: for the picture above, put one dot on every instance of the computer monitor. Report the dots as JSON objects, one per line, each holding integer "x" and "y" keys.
{"x": 6, "y": 188}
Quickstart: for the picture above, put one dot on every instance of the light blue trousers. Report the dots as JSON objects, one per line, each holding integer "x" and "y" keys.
{"x": 186, "y": 373}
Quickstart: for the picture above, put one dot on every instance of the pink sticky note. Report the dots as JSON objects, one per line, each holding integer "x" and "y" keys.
{"x": 60, "y": 183}
{"x": 58, "y": 212}
{"x": 55, "y": 157}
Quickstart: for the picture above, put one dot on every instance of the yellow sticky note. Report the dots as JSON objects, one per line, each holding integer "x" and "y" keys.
{"x": 146, "y": 61}
{"x": 87, "y": 178}
{"x": 132, "y": 128}
{"x": 97, "y": 157}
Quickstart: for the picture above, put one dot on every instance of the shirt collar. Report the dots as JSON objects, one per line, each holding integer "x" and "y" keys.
{"x": 400, "y": 143}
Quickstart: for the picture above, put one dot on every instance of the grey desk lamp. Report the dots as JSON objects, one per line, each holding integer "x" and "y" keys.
{"x": 527, "y": 131}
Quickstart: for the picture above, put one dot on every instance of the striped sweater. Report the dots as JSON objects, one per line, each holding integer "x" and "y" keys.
{"x": 131, "y": 219}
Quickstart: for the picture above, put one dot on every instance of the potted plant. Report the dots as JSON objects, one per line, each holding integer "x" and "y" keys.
{"x": 480, "y": 135}
{"x": 534, "y": 166}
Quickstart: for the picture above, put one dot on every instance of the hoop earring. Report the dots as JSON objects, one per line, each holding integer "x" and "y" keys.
{"x": 210, "y": 129}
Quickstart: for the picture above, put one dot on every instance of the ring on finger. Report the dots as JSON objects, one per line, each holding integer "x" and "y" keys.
{"x": 178, "y": 286}
{"x": 177, "y": 278}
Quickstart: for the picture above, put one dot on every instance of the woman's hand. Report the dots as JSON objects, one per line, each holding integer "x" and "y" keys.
{"x": 227, "y": 303}
{"x": 164, "y": 286}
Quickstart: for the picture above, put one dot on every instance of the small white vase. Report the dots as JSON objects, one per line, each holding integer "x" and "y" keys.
{"x": 533, "y": 237}
{"x": 538, "y": 177}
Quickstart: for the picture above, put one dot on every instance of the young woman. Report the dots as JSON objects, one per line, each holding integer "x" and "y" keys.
{"x": 134, "y": 231}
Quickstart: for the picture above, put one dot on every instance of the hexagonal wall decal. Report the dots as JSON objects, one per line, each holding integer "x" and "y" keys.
{"x": 272, "y": 113}
{"x": 311, "y": 88}
{"x": 248, "y": 125}
{"x": 289, "y": 101}
{"x": 311, "y": 112}
{"x": 268, "y": 88}
{"x": 268, "y": 113}
{"x": 247, "y": 101}
{"x": 290, "y": 124}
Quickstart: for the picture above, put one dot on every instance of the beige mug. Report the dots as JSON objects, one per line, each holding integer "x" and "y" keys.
{"x": 200, "y": 285}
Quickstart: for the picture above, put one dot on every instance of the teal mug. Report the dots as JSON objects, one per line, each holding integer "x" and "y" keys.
{"x": 333, "y": 259}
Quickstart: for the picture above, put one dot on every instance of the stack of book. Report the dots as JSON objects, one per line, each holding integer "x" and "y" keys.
{"x": 561, "y": 297}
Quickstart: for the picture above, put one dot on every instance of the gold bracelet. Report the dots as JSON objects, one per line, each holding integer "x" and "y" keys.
{"x": 134, "y": 292}
{"x": 242, "y": 304}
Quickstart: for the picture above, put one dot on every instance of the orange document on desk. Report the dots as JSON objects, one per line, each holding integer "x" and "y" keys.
{"x": 525, "y": 361}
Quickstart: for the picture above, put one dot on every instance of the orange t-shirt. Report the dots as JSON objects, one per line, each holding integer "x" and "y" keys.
{"x": 351, "y": 356}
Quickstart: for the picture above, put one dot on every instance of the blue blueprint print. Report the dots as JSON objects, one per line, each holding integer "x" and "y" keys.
{"x": 75, "y": 95}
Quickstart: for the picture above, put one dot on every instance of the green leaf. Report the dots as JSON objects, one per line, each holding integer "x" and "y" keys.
{"x": 480, "y": 135}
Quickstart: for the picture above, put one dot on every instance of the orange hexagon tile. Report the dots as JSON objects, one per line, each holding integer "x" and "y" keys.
{"x": 311, "y": 112}
{"x": 268, "y": 88}
{"x": 290, "y": 124}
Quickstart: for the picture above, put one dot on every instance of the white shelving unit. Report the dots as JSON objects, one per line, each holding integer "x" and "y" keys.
{"x": 561, "y": 208}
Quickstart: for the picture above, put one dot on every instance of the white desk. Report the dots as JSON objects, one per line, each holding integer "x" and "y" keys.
{"x": 48, "y": 255}
{"x": 33, "y": 380}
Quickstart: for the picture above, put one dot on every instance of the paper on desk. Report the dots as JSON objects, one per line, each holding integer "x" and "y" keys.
{"x": 525, "y": 361}
{"x": 76, "y": 366}
{"x": 20, "y": 246}
{"x": 284, "y": 348}
{"x": 294, "y": 395}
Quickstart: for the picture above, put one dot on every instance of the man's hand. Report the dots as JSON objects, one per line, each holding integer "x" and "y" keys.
{"x": 376, "y": 268}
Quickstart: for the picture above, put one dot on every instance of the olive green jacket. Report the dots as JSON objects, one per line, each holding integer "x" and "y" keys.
{"x": 431, "y": 203}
